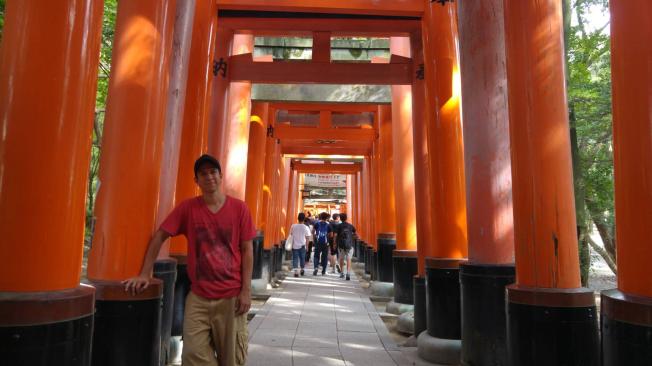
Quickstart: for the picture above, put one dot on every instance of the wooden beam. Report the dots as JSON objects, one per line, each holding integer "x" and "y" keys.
{"x": 411, "y": 8}
{"x": 315, "y": 133}
{"x": 325, "y": 150}
{"x": 306, "y": 26}
{"x": 325, "y": 106}
{"x": 327, "y": 168}
{"x": 243, "y": 68}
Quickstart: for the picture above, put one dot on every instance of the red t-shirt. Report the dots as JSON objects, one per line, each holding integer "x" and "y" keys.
{"x": 214, "y": 259}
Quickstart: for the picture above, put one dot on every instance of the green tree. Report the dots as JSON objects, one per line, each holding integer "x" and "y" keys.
{"x": 589, "y": 102}
{"x": 108, "y": 28}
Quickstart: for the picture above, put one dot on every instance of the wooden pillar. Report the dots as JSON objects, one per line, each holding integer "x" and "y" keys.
{"x": 236, "y": 131}
{"x": 387, "y": 206}
{"x": 448, "y": 246}
{"x": 220, "y": 96}
{"x": 403, "y": 155}
{"x": 256, "y": 159}
{"x": 130, "y": 168}
{"x": 197, "y": 108}
{"x": 627, "y": 310}
{"x": 182, "y": 40}
{"x": 46, "y": 125}
{"x": 488, "y": 182}
{"x": 267, "y": 193}
{"x": 547, "y": 264}
{"x": 349, "y": 194}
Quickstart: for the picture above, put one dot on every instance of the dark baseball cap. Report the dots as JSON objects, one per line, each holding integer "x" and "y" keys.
{"x": 207, "y": 159}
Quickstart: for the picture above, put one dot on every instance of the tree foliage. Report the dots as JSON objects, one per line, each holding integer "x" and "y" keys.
{"x": 589, "y": 100}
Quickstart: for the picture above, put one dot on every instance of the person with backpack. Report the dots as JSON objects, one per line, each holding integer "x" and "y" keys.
{"x": 322, "y": 232}
{"x": 344, "y": 240}
{"x": 335, "y": 222}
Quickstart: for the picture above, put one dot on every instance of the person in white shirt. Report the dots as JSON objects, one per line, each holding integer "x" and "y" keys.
{"x": 300, "y": 236}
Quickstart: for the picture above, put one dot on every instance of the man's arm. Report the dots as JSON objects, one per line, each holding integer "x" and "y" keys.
{"x": 140, "y": 282}
{"x": 244, "y": 299}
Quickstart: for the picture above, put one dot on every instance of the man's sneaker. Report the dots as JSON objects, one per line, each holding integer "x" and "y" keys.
{"x": 302, "y": 272}
{"x": 339, "y": 270}
{"x": 348, "y": 278}
{"x": 314, "y": 273}
{"x": 341, "y": 275}
{"x": 323, "y": 272}
{"x": 296, "y": 274}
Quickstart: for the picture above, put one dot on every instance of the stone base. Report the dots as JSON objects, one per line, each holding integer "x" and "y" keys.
{"x": 259, "y": 286}
{"x": 438, "y": 350}
{"x": 405, "y": 323}
{"x": 398, "y": 308}
{"x": 382, "y": 289}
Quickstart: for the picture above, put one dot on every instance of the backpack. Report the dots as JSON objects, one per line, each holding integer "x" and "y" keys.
{"x": 345, "y": 236}
{"x": 321, "y": 232}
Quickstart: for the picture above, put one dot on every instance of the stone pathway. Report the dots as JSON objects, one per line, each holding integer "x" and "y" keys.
{"x": 321, "y": 321}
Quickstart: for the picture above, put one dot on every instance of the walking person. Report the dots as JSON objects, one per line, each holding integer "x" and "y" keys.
{"x": 219, "y": 229}
{"x": 300, "y": 236}
{"x": 309, "y": 223}
{"x": 333, "y": 255}
{"x": 322, "y": 232}
{"x": 344, "y": 240}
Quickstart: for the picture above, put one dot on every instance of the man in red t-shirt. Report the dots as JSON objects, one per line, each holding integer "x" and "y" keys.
{"x": 219, "y": 230}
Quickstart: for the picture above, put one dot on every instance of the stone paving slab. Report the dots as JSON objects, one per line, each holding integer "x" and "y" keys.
{"x": 321, "y": 320}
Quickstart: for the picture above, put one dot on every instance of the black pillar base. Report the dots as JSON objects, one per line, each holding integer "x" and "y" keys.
{"x": 552, "y": 327}
{"x": 267, "y": 264}
{"x": 257, "y": 271}
{"x": 278, "y": 254}
{"x": 127, "y": 327}
{"x": 181, "y": 290}
{"x": 374, "y": 265}
{"x": 484, "y": 333}
{"x": 386, "y": 245}
{"x": 420, "y": 317}
{"x": 367, "y": 263}
{"x": 166, "y": 271}
{"x": 47, "y": 328}
{"x": 626, "y": 329}
{"x": 361, "y": 251}
{"x": 443, "y": 298}
{"x": 404, "y": 263}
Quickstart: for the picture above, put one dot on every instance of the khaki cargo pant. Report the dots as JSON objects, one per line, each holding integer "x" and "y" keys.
{"x": 210, "y": 329}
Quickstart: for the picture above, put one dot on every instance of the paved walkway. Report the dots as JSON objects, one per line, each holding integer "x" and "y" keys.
{"x": 320, "y": 321}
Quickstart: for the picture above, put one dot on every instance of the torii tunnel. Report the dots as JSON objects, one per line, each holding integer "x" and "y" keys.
{"x": 460, "y": 188}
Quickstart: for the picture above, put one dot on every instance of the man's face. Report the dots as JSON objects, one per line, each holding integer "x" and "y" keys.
{"x": 208, "y": 178}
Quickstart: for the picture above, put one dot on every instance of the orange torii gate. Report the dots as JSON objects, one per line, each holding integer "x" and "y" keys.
{"x": 549, "y": 318}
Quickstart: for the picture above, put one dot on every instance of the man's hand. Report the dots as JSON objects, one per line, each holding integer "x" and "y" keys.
{"x": 136, "y": 284}
{"x": 243, "y": 302}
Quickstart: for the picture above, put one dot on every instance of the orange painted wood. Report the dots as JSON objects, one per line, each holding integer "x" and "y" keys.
{"x": 319, "y": 133}
{"x": 304, "y": 27}
{"x": 327, "y": 168}
{"x": 220, "y": 95}
{"x": 237, "y": 129}
{"x": 197, "y": 108}
{"x": 403, "y": 155}
{"x": 631, "y": 37}
{"x": 268, "y": 194}
{"x": 243, "y": 68}
{"x": 420, "y": 135}
{"x": 48, "y": 79}
{"x": 545, "y": 232}
{"x": 362, "y": 7}
{"x": 321, "y": 46}
{"x": 486, "y": 132}
{"x": 386, "y": 201}
{"x": 445, "y": 143}
{"x": 326, "y": 106}
{"x": 132, "y": 142}
{"x": 256, "y": 159}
